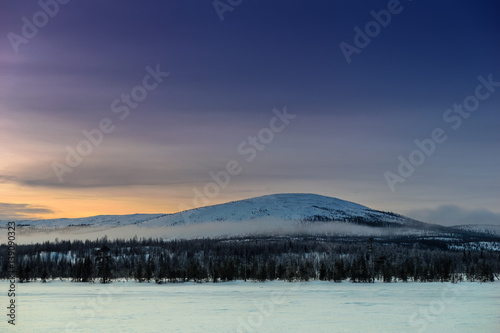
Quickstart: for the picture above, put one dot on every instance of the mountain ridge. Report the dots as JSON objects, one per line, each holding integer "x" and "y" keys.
{"x": 284, "y": 206}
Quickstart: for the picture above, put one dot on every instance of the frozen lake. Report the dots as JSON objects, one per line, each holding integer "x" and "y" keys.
{"x": 254, "y": 307}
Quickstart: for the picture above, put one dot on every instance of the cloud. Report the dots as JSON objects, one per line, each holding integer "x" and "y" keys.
{"x": 10, "y": 211}
{"x": 7, "y": 179}
{"x": 455, "y": 215}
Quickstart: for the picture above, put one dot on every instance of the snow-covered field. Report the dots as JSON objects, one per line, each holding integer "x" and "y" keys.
{"x": 254, "y": 307}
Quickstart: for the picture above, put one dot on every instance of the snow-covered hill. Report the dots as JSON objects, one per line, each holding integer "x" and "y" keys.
{"x": 284, "y": 207}
{"x": 93, "y": 221}
{"x": 488, "y": 229}
{"x": 277, "y": 215}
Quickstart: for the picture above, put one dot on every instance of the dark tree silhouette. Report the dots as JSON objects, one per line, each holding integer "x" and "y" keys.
{"x": 104, "y": 263}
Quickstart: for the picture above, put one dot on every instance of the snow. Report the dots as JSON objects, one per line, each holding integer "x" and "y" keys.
{"x": 62, "y": 306}
{"x": 490, "y": 229}
{"x": 270, "y": 215}
{"x": 286, "y": 207}
{"x": 476, "y": 246}
{"x": 95, "y": 221}
{"x": 226, "y": 229}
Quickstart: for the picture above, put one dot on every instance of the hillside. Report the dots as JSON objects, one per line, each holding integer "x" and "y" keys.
{"x": 288, "y": 214}
{"x": 282, "y": 207}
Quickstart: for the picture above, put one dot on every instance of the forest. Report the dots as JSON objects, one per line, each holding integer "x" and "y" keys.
{"x": 256, "y": 259}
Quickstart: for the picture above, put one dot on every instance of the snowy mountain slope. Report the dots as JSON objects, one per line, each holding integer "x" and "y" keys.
{"x": 277, "y": 215}
{"x": 94, "y": 221}
{"x": 286, "y": 207}
{"x": 283, "y": 207}
{"x": 488, "y": 229}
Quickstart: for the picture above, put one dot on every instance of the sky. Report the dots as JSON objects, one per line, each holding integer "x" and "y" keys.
{"x": 122, "y": 107}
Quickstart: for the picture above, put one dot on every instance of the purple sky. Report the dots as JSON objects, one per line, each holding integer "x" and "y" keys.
{"x": 353, "y": 120}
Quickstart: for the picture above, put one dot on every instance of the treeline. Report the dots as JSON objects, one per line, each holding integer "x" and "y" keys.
{"x": 212, "y": 260}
